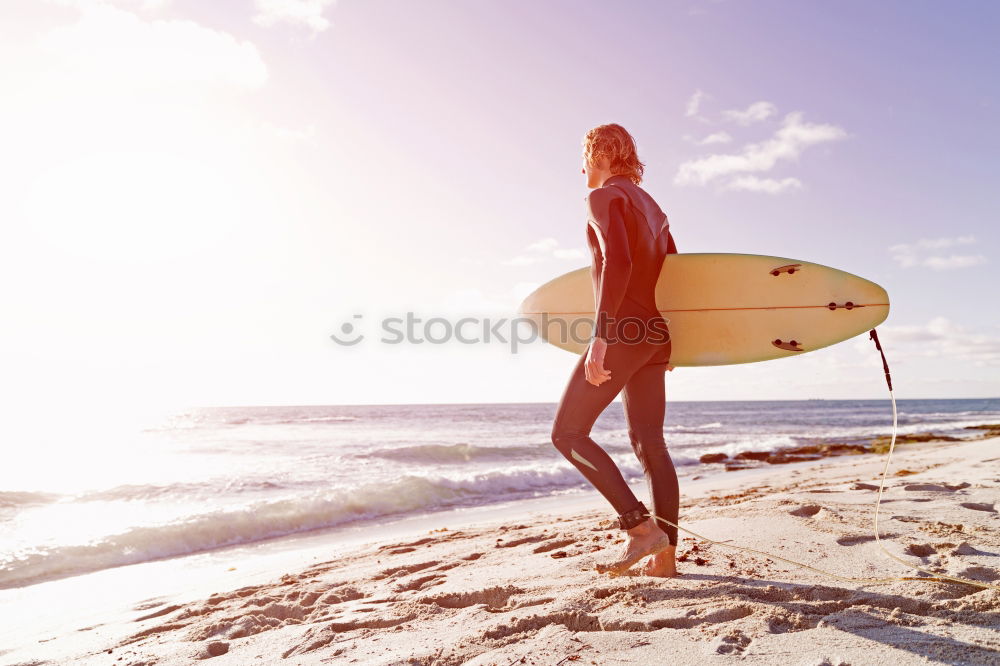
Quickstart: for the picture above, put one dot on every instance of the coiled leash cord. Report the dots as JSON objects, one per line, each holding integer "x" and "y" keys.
{"x": 933, "y": 576}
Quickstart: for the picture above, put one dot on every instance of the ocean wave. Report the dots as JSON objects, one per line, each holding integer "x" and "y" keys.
{"x": 187, "y": 422}
{"x": 183, "y": 491}
{"x": 975, "y": 412}
{"x": 957, "y": 428}
{"x": 267, "y": 519}
{"x": 314, "y": 419}
{"x": 457, "y": 453}
{"x": 10, "y": 499}
{"x": 759, "y": 443}
{"x": 696, "y": 429}
{"x": 287, "y": 420}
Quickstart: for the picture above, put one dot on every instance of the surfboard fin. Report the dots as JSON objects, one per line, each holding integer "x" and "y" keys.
{"x": 790, "y": 269}
{"x": 790, "y": 345}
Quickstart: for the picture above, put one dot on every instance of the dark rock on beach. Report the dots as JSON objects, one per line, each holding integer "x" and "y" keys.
{"x": 878, "y": 445}
{"x": 753, "y": 455}
{"x": 782, "y": 457}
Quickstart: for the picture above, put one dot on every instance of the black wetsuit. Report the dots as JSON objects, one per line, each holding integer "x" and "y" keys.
{"x": 629, "y": 236}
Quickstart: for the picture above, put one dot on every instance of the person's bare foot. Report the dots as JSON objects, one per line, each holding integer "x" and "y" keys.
{"x": 644, "y": 539}
{"x": 663, "y": 564}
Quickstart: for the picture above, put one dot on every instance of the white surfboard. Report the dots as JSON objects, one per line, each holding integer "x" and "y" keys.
{"x": 726, "y": 308}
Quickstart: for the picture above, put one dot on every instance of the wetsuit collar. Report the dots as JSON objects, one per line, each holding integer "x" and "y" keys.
{"x": 611, "y": 180}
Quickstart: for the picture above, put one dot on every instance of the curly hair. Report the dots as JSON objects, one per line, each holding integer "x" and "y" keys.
{"x": 614, "y": 142}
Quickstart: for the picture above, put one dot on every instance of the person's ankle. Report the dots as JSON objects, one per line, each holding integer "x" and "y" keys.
{"x": 643, "y": 528}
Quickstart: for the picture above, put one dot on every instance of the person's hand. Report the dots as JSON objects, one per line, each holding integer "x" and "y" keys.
{"x": 593, "y": 368}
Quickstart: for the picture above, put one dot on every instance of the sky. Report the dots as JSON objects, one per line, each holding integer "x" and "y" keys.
{"x": 196, "y": 196}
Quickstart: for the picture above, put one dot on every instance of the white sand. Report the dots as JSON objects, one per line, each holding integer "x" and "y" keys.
{"x": 498, "y": 592}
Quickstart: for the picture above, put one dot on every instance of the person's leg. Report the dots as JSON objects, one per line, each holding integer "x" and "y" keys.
{"x": 644, "y": 402}
{"x": 581, "y": 404}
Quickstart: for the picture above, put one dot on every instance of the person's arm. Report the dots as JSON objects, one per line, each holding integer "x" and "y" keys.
{"x": 607, "y": 219}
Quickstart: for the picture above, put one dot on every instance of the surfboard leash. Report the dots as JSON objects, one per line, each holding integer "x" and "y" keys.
{"x": 933, "y": 576}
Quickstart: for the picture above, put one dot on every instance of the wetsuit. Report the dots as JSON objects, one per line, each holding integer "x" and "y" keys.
{"x": 628, "y": 236}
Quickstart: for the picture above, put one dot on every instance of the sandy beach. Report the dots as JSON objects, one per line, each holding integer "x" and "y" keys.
{"x": 523, "y": 590}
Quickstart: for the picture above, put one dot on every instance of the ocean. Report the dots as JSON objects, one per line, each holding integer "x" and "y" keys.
{"x": 209, "y": 478}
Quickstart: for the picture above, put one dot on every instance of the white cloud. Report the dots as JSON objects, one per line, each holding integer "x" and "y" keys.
{"x": 786, "y": 145}
{"x": 954, "y": 261}
{"x": 542, "y": 245}
{"x": 717, "y": 137}
{"x": 113, "y": 49}
{"x": 543, "y": 250}
{"x": 754, "y": 113}
{"x": 908, "y": 255}
{"x": 936, "y": 243}
{"x": 308, "y": 13}
{"x": 767, "y": 185}
{"x": 523, "y": 260}
{"x": 83, "y": 4}
{"x": 693, "y": 103}
{"x": 117, "y": 126}
{"x": 941, "y": 337}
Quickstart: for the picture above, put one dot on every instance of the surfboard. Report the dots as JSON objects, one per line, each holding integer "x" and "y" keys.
{"x": 725, "y": 309}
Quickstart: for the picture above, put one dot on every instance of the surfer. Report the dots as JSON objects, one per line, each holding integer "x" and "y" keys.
{"x": 628, "y": 236}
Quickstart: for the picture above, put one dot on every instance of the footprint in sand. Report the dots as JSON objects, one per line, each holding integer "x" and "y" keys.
{"x": 984, "y": 574}
{"x": 732, "y": 643}
{"x": 395, "y": 572}
{"x": 906, "y": 519}
{"x": 862, "y": 538}
{"x": 552, "y": 545}
{"x": 493, "y": 597}
{"x": 162, "y": 611}
{"x": 941, "y": 487}
{"x": 920, "y": 550}
{"x": 807, "y": 511}
{"x": 965, "y": 548}
{"x": 342, "y": 594}
{"x": 517, "y": 542}
{"x": 216, "y": 649}
{"x": 421, "y": 583}
{"x": 979, "y": 506}
{"x": 445, "y": 567}
{"x": 409, "y": 547}
{"x": 419, "y": 542}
